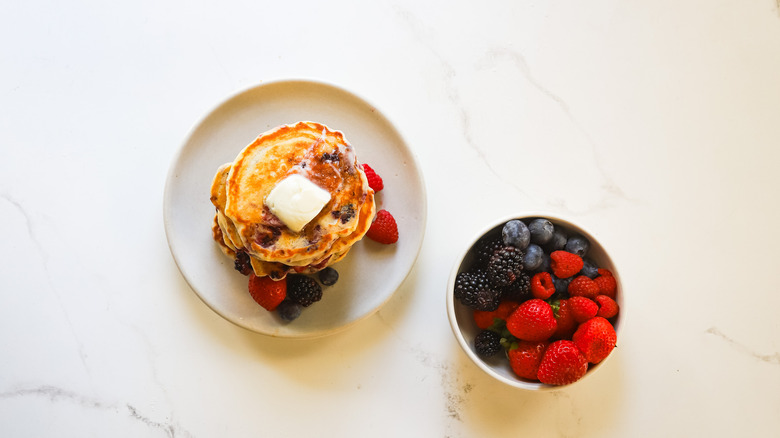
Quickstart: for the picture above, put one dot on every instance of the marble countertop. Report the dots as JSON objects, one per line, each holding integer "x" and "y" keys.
{"x": 655, "y": 124}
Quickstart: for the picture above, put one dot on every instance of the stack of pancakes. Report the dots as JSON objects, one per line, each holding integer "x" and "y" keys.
{"x": 244, "y": 224}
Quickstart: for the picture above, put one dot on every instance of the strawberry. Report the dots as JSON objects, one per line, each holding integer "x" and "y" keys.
{"x": 384, "y": 229}
{"x": 542, "y": 286}
{"x": 562, "y": 364}
{"x": 266, "y": 291}
{"x": 486, "y": 319}
{"x": 565, "y": 319}
{"x": 374, "y": 180}
{"x": 583, "y": 286}
{"x": 565, "y": 264}
{"x": 595, "y": 338}
{"x": 525, "y": 359}
{"x": 583, "y": 309}
{"x": 532, "y": 321}
{"x": 607, "y": 307}
{"x": 606, "y": 283}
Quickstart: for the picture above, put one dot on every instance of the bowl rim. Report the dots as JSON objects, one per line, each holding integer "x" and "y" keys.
{"x": 451, "y": 302}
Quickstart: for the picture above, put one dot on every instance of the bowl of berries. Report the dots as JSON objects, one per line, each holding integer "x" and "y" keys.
{"x": 535, "y": 302}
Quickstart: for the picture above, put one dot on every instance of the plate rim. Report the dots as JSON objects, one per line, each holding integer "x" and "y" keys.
{"x": 177, "y": 156}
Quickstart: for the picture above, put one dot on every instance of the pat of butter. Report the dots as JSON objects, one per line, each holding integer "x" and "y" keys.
{"x": 296, "y": 201}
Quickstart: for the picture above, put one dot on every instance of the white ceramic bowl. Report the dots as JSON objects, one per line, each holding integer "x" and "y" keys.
{"x": 465, "y": 329}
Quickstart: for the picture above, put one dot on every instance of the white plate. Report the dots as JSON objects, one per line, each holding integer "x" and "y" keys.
{"x": 370, "y": 273}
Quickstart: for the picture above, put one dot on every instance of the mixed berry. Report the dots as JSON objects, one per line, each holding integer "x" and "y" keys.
{"x": 537, "y": 297}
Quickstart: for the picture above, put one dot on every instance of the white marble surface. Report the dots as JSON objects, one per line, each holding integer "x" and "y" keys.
{"x": 655, "y": 124}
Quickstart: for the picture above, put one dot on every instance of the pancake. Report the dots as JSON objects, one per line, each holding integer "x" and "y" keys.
{"x": 246, "y": 224}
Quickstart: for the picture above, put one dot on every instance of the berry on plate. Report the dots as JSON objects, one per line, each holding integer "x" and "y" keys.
{"x": 541, "y": 231}
{"x": 595, "y": 338}
{"x": 562, "y": 364}
{"x": 515, "y": 233}
{"x": 267, "y": 292}
{"x": 384, "y": 228}
{"x": 526, "y": 357}
{"x": 565, "y": 264}
{"x": 303, "y": 290}
{"x": 533, "y": 320}
{"x": 374, "y": 180}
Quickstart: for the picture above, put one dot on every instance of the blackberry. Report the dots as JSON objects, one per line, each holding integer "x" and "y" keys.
{"x": 504, "y": 266}
{"x": 484, "y": 249}
{"x": 328, "y": 276}
{"x": 289, "y": 310}
{"x": 519, "y": 290}
{"x": 303, "y": 290}
{"x": 487, "y": 343}
{"x": 242, "y": 263}
{"x": 473, "y": 290}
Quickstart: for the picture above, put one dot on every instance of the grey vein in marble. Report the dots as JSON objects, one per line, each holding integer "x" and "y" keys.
{"x": 31, "y": 231}
{"x": 451, "y": 89}
{"x": 60, "y": 395}
{"x": 773, "y": 359}
{"x": 610, "y": 189}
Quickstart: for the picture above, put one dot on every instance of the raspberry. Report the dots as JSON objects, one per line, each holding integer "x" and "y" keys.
{"x": 583, "y": 286}
{"x": 473, "y": 290}
{"x": 595, "y": 338}
{"x": 303, "y": 290}
{"x": 562, "y": 364}
{"x": 374, "y": 180}
{"x": 583, "y": 309}
{"x": 266, "y": 291}
{"x": 565, "y": 264}
{"x": 504, "y": 266}
{"x": 607, "y": 307}
{"x": 525, "y": 359}
{"x": 487, "y": 343}
{"x": 542, "y": 286}
{"x": 532, "y": 321}
{"x": 383, "y": 229}
{"x": 486, "y": 319}
{"x": 606, "y": 283}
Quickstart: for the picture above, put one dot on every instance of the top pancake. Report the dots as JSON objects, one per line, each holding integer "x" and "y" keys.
{"x": 315, "y": 152}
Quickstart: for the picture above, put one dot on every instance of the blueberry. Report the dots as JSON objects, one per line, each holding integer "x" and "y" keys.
{"x": 557, "y": 241}
{"x": 541, "y": 231}
{"x": 288, "y": 310}
{"x": 534, "y": 257}
{"x": 561, "y": 286}
{"x": 589, "y": 268}
{"x": 328, "y": 276}
{"x": 545, "y": 265}
{"x": 577, "y": 245}
{"x": 515, "y": 233}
